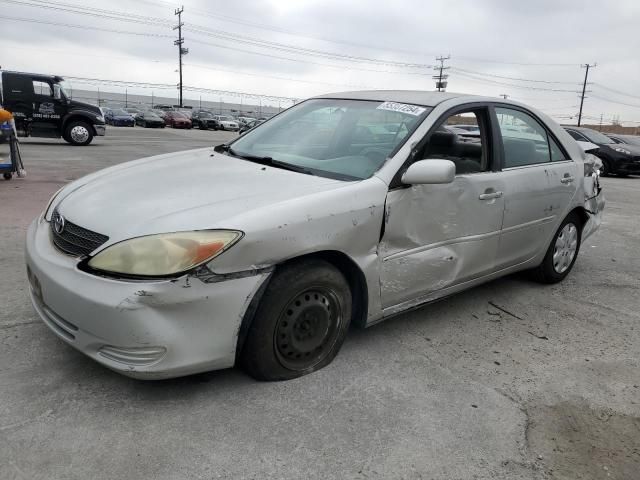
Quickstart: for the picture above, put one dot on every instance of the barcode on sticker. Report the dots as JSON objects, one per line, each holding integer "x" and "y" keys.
{"x": 402, "y": 108}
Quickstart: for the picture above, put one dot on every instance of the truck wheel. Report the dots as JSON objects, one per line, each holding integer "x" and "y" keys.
{"x": 78, "y": 133}
{"x": 7, "y": 176}
{"x": 301, "y": 322}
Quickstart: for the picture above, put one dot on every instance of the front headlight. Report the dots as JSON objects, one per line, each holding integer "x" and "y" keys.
{"x": 164, "y": 254}
{"x": 622, "y": 150}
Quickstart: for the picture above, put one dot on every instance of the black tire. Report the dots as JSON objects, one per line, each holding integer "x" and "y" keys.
{"x": 144, "y": 124}
{"x": 7, "y": 176}
{"x": 605, "y": 171}
{"x": 80, "y": 137}
{"x": 554, "y": 268}
{"x": 300, "y": 324}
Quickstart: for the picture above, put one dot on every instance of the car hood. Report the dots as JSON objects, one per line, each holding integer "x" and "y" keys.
{"x": 197, "y": 189}
{"x": 122, "y": 117}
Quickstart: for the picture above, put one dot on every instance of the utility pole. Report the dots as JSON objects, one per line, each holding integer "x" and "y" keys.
{"x": 600, "y": 122}
{"x": 181, "y": 50}
{"x": 584, "y": 88}
{"x": 504, "y": 95}
{"x": 126, "y": 97}
{"x": 441, "y": 77}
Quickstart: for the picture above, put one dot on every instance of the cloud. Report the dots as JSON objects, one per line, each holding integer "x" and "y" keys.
{"x": 488, "y": 38}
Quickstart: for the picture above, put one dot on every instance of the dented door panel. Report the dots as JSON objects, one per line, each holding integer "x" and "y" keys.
{"x": 439, "y": 235}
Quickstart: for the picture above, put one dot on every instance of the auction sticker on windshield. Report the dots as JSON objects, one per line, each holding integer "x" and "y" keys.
{"x": 402, "y": 108}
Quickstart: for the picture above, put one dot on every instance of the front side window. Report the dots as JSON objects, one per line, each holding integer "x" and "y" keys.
{"x": 42, "y": 88}
{"x": 348, "y": 139}
{"x": 524, "y": 140}
{"x": 465, "y": 147}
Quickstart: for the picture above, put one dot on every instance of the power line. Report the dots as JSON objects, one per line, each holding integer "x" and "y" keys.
{"x": 524, "y": 87}
{"x": 615, "y": 101}
{"x": 512, "y": 78}
{"x": 84, "y": 27}
{"x": 598, "y": 85}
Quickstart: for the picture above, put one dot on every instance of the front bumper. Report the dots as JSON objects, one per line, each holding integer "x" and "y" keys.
{"x": 101, "y": 130}
{"x": 148, "y": 329}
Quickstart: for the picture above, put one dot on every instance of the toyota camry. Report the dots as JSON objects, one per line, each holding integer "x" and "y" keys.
{"x": 345, "y": 209}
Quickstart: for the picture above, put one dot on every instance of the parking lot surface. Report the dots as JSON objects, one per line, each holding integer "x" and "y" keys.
{"x": 509, "y": 380}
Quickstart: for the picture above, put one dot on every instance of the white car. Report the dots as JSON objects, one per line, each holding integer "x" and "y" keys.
{"x": 263, "y": 251}
{"x": 227, "y": 123}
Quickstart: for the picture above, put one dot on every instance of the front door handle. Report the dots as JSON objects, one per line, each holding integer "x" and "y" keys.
{"x": 490, "y": 196}
{"x": 567, "y": 180}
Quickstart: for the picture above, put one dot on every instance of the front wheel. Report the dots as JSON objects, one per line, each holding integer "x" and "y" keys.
{"x": 78, "y": 133}
{"x": 605, "y": 171}
{"x": 562, "y": 253}
{"x": 301, "y": 322}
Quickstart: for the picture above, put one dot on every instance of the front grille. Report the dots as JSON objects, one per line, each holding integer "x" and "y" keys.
{"x": 75, "y": 240}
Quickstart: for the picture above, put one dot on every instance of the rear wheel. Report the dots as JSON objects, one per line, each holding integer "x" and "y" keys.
{"x": 78, "y": 133}
{"x": 300, "y": 324}
{"x": 562, "y": 253}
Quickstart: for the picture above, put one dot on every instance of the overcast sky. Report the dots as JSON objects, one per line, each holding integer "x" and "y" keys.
{"x": 542, "y": 40}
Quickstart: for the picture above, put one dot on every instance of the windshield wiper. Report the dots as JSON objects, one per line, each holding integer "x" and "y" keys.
{"x": 263, "y": 160}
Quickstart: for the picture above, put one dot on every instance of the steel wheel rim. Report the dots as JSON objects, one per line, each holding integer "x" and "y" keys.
{"x": 307, "y": 328}
{"x": 565, "y": 248}
{"x": 79, "y": 134}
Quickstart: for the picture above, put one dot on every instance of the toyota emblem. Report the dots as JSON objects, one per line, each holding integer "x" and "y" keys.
{"x": 58, "y": 224}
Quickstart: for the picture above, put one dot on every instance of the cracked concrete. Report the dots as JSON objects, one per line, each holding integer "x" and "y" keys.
{"x": 511, "y": 380}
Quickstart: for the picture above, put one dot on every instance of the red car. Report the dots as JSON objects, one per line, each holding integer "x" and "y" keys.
{"x": 177, "y": 120}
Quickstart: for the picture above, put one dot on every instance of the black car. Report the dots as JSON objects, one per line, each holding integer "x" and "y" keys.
{"x": 149, "y": 119}
{"x": 616, "y": 159}
{"x": 625, "y": 139}
{"x": 249, "y": 125}
{"x": 204, "y": 120}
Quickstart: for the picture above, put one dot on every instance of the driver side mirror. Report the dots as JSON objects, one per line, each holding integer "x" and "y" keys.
{"x": 426, "y": 172}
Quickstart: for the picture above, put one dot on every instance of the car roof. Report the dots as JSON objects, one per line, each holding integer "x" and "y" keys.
{"x": 414, "y": 97}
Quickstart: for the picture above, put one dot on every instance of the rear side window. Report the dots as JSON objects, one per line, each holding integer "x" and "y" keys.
{"x": 525, "y": 140}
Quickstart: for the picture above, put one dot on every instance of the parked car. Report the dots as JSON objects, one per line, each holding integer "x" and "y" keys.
{"x": 150, "y": 119}
{"x": 133, "y": 111}
{"x": 248, "y": 126}
{"x": 616, "y": 159}
{"x": 263, "y": 251}
{"x": 624, "y": 139}
{"x": 204, "y": 120}
{"x": 177, "y": 120}
{"x": 244, "y": 120}
{"x": 227, "y": 123}
{"x": 120, "y": 118}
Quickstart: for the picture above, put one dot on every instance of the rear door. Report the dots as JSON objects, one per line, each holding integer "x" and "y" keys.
{"x": 540, "y": 181}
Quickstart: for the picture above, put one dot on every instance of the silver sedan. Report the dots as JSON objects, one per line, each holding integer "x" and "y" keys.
{"x": 343, "y": 210}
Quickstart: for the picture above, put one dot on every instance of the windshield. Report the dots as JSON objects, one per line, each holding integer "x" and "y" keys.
{"x": 151, "y": 115}
{"x": 337, "y": 138}
{"x": 222, "y": 118}
{"x": 120, "y": 112}
{"x": 61, "y": 89}
{"x": 596, "y": 137}
{"x": 178, "y": 115}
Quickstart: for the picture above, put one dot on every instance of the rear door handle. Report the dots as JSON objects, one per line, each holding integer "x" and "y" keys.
{"x": 489, "y": 196}
{"x": 567, "y": 180}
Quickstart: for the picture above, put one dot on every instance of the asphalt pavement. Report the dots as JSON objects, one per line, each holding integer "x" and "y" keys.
{"x": 510, "y": 380}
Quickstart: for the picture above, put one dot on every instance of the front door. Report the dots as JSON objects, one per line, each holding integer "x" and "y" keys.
{"x": 437, "y": 236}
{"x": 47, "y": 110}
